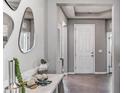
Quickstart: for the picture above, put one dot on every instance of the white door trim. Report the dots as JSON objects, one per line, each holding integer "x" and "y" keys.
{"x": 109, "y": 56}
{"x": 75, "y": 48}
{"x": 58, "y": 63}
{"x": 61, "y": 48}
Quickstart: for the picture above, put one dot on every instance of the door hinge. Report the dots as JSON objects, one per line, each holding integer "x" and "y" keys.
{"x": 75, "y": 67}
{"x": 109, "y": 37}
{"x": 75, "y": 29}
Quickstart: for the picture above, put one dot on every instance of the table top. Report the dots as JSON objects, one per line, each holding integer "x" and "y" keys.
{"x": 55, "y": 78}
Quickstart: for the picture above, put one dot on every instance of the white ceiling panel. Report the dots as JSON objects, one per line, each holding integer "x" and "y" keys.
{"x": 91, "y": 9}
{"x": 69, "y": 11}
{"x": 88, "y": 11}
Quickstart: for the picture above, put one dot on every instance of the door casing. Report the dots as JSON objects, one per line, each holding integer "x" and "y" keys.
{"x": 109, "y": 49}
{"x": 61, "y": 49}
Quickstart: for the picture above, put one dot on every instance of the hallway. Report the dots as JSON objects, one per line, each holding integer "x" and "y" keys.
{"x": 87, "y": 84}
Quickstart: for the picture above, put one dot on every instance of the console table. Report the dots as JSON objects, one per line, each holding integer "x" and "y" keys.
{"x": 56, "y": 85}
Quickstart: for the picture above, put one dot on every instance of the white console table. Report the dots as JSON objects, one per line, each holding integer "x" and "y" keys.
{"x": 55, "y": 85}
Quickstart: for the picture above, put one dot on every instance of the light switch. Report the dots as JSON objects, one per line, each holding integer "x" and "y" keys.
{"x": 100, "y": 50}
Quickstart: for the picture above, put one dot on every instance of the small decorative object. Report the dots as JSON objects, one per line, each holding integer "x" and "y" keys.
{"x": 33, "y": 86}
{"x": 13, "y": 86}
{"x": 38, "y": 79}
{"x": 41, "y": 77}
{"x": 32, "y": 83}
{"x": 44, "y": 76}
{"x": 43, "y": 67}
{"x": 44, "y": 82}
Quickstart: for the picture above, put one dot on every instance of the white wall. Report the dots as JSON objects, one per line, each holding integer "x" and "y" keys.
{"x": 53, "y": 18}
{"x": 52, "y": 35}
{"x": 31, "y": 59}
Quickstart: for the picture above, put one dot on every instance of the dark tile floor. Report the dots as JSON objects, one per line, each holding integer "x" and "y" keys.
{"x": 88, "y": 84}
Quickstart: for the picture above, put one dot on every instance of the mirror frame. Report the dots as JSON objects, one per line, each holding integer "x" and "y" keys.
{"x": 20, "y": 34}
{"x": 10, "y": 5}
{"x": 12, "y": 28}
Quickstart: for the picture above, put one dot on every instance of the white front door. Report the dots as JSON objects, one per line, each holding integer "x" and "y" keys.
{"x": 84, "y": 48}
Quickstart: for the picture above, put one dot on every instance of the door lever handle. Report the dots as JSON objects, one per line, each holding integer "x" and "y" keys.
{"x": 62, "y": 59}
{"x": 92, "y": 55}
{"x": 92, "y": 52}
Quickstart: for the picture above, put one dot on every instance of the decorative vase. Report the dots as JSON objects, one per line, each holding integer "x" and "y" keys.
{"x": 13, "y": 86}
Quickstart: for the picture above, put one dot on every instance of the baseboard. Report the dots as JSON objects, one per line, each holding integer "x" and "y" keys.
{"x": 100, "y": 72}
{"x": 72, "y": 73}
{"x": 69, "y": 73}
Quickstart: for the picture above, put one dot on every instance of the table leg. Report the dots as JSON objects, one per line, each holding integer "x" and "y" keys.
{"x": 61, "y": 87}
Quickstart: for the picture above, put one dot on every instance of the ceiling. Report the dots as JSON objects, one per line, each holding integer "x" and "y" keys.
{"x": 87, "y": 11}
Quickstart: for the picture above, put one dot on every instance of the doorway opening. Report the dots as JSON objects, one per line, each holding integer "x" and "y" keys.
{"x": 88, "y": 47}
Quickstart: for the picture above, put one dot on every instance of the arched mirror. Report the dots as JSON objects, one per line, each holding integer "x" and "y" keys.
{"x": 13, "y": 4}
{"x": 26, "y": 36}
{"x": 8, "y": 26}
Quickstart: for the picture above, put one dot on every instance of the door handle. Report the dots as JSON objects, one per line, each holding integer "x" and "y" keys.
{"x": 92, "y": 55}
{"x": 62, "y": 60}
{"x": 92, "y": 52}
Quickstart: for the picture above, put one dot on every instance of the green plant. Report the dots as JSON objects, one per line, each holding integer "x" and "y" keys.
{"x": 19, "y": 75}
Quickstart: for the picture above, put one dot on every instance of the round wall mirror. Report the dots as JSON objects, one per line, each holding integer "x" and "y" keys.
{"x": 13, "y": 4}
{"x": 8, "y": 26}
{"x": 26, "y": 36}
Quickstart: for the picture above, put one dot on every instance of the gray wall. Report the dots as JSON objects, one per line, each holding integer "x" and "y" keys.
{"x": 100, "y": 43}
